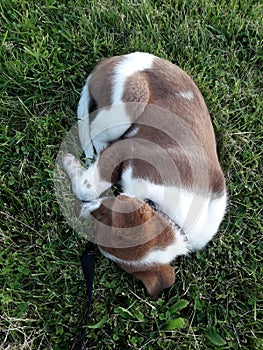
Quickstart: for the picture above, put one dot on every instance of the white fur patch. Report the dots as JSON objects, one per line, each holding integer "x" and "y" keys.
{"x": 188, "y": 95}
{"x": 208, "y": 223}
{"x": 86, "y": 183}
{"x": 130, "y": 64}
{"x": 198, "y": 216}
{"x": 109, "y": 125}
{"x": 157, "y": 256}
{"x": 132, "y": 132}
{"x": 83, "y": 121}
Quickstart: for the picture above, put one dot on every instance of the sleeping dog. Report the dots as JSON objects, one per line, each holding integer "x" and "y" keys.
{"x": 145, "y": 124}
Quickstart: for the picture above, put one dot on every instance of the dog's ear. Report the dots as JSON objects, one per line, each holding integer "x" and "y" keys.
{"x": 130, "y": 212}
{"x": 136, "y": 224}
{"x": 156, "y": 279}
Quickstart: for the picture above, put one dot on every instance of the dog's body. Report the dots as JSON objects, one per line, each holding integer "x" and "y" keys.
{"x": 152, "y": 134}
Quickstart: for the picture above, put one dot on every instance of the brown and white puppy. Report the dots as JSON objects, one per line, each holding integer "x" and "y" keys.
{"x": 150, "y": 132}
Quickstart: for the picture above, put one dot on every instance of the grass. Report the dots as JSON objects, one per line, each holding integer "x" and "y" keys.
{"x": 47, "y": 49}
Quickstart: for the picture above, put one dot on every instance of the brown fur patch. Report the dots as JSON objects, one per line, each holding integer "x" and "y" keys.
{"x": 155, "y": 279}
{"x": 135, "y": 229}
{"x": 101, "y": 82}
{"x": 166, "y": 82}
{"x": 158, "y": 158}
{"x": 135, "y": 94}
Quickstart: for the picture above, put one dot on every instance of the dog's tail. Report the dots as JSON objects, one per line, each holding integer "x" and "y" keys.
{"x": 83, "y": 120}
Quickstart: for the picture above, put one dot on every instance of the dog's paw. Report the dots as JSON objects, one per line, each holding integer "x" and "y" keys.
{"x": 86, "y": 184}
{"x": 70, "y": 164}
{"x": 82, "y": 180}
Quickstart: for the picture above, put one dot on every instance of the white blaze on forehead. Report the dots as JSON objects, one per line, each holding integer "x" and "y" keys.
{"x": 130, "y": 64}
{"x": 189, "y": 95}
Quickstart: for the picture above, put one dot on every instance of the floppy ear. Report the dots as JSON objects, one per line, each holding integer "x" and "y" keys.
{"x": 156, "y": 279}
{"x": 137, "y": 224}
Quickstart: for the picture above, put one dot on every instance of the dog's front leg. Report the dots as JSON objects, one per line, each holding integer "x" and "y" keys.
{"x": 87, "y": 184}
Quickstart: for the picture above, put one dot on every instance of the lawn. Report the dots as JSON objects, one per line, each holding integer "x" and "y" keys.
{"x": 47, "y": 49}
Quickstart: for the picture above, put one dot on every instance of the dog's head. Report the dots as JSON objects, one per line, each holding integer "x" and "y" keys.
{"x": 131, "y": 233}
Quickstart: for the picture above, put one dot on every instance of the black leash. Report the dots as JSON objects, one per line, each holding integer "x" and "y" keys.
{"x": 87, "y": 262}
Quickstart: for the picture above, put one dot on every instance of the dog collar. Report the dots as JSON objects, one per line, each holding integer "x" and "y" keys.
{"x": 171, "y": 221}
